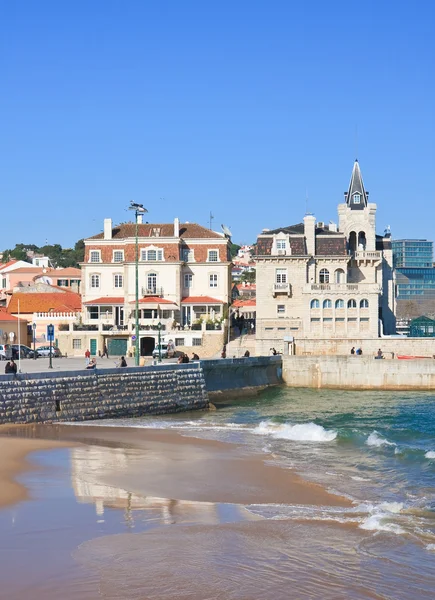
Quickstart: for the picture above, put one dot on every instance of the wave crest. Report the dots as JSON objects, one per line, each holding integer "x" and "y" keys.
{"x": 430, "y": 454}
{"x": 376, "y": 440}
{"x": 302, "y": 432}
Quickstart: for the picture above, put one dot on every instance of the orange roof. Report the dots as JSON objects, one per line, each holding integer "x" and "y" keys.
{"x": 153, "y": 300}
{"x": 67, "y": 272}
{"x": 187, "y": 230}
{"x": 200, "y": 300}
{"x": 107, "y": 300}
{"x": 248, "y": 286}
{"x": 30, "y": 269}
{"x": 8, "y": 264}
{"x": 240, "y": 303}
{"x": 4, "y": 316}
{"x": 41, "y": 302}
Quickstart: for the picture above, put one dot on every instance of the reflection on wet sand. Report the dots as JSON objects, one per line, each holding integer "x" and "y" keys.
{"x": 90, "y": 466}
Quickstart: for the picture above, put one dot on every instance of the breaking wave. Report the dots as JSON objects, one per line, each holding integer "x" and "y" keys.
{"x": 377, "y": 441}
{"x": 302, "y": 432}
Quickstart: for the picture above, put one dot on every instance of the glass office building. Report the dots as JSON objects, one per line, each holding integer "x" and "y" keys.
{"x": 415, "y": 275}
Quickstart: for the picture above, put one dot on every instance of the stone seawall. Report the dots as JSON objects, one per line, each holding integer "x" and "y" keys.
{"x": 236, "y": 374}
{"x": 101, "y": 394}
{"x": 358, "y": 372}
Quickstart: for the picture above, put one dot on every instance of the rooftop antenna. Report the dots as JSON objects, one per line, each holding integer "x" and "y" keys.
{"x": 356, "y": 141}
{"x": 307, "y": 212}
{"x": 210, "y": 221}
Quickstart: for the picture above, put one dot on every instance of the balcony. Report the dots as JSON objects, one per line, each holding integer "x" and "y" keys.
{"x": 152, "y": 291}
{"x": 368, "y": 256}
{"x": 281, "y": 288}
{"x": 342, "y": 288}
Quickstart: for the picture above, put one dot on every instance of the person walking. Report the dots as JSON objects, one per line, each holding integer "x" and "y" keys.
{"x": 87, "y": 357}
{"x": 105, "y": 352}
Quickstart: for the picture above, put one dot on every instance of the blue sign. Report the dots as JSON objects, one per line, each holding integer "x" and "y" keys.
{"x": 133, "y": 337}
{"x": 50, "y": 333}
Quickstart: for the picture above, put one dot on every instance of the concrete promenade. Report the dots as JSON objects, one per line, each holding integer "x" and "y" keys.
{"x": 40, "y": 365}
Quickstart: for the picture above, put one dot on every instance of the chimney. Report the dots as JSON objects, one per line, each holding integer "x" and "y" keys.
{"x": 310, "y": 233}
{"x": 176, "y": 227}
{"x": 107, "y": 229}
{"x": 140, "y": 219}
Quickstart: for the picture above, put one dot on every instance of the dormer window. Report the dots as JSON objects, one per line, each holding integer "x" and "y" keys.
{"x": 156, "y": 232}
{"x": 356, "y": 199}
{"x": 281, "y": 244}
{"x": 95, "y": 256}
{"x": 151, "y": 254}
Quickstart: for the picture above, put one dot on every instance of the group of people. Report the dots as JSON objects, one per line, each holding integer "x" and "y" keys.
{"x": 183, "y": 358}
{"x": 91, "y": 363}
{"x": 358, "y": 351}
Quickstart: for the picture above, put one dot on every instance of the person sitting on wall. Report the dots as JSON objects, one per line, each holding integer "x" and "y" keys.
{"x": 180, "y": 359}
{"x": 358, "y": 351}
{"x": 92, "y": 364}
{"x": 274, "y": 352}
{"x": 224, "y": 352}
{"x": 123, "y": 362}
{"x": 11, "y": 367}
{"x": 379, "y": 354}
{"x": 195, "y": 356}
{"x": 185, "y": 358}
{"x": 352, "y": 350}
{"x": 247, "y": 354}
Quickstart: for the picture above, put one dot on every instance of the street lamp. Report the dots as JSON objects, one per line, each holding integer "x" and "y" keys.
{"x": 159, "y": 329}
{"x": 34, "y": 340}
{"x": 138, "y": 210}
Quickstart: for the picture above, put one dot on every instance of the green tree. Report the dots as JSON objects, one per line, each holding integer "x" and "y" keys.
{"x": 234, "y": 248}
{"x": 248, "y": 276}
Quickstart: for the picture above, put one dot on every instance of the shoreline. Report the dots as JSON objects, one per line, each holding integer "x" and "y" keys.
{"x": 171, "y": 465}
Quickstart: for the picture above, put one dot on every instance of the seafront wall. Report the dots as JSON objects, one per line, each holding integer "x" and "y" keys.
{"x": 236, "y": 374}
{"x": 108, "y": 393}
{"x": 358, "y": 372}
{"x": 101, "y": 394}
{"x": 389, "y": 346}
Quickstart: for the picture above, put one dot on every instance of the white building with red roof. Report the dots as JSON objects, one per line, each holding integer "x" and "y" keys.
{"x": 184, "y": 280}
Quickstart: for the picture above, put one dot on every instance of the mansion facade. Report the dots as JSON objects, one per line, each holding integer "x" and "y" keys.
{"x": 317, "y": 280}
{"x": 184, "y": 284}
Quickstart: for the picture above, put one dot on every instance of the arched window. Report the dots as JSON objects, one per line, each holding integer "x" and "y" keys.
{"x": 339, "y": 304}
{"x": 315, "y": 304}
{"x": 327, "y": 304}
{"x": 362, "y": 240}
{"x": 352, "y": 241}
{"x": 339, "y": 276}
{"x": 324, "y": 276}
{"x": 364, "y": 303}
{"x": 351, "y": 303}
{"x": 152, "y": 283}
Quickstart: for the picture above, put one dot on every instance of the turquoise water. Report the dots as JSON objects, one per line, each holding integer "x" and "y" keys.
{"x": 376, "y": 448}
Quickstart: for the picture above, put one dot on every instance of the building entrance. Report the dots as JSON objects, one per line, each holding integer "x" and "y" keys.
{"x": 147, "y": 345}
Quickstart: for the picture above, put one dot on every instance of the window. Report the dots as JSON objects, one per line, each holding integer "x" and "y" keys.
{"x": 364, "y": 303}
{"x": 93, "y": 312}
{"x": 188, "y": 255}
{"x": 118, "y": 281}
{"x": 339, "y": 304}
{"x": 281, "y": 276}
{"x": 151, "y": 255}
{"x": 179, "y": 341}
{"x": 95, "y": 256}
{"x": 351, "y": 303}
{"x": 77, "y": 344}
{"x": 166, "y": 314}
{"x": 196, "y": 342}
{"x": 4, "y": 282}
{"x": 147, "y": 313}
{"x": 62, "y": 282}
{"x": 95, "y": 281}
{"x": 339, "y": 276}
{"x": 213, "y": 280}
{"x": 188, "y": 280}
{"x": 280, "y": 309}
{"x": 356, "y": 199}
{"x": 118, "y": 256}
{"x": 327, "y": 304}
{"x": 315, "y": 304}
{"x": 327, "y": 320}
{"x": 324, "y": 276}
{"x": 213, "y": 256}
{"x": 281, "y": 244}
{"x": 152, "y": 283}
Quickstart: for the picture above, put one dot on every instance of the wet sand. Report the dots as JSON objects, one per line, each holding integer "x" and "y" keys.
{"x": 13, "y": 453}
{"x": 184, "y": 468}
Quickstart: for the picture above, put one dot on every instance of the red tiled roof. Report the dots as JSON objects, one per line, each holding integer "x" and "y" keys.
{"x": 107, "y": 300}
{"x": 250, "y": 286}
{"x": 4, "y": 316}
{"x": 200, "y": 300}
{"x": 45, "y": 302}
{"x": 240, "y": 303}
{"x": 30, "y": 269}
{"x": 8, "y": 264}
{"x": 153, "y": 300}
{"x": 187, "y": 230}
{"x": 67, "y": 272}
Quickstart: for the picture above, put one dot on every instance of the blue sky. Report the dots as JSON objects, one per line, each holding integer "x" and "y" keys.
{"x": 241, "y": 108}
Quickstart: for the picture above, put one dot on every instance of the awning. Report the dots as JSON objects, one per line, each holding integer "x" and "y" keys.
{"x": 153, "y": 302}
{"x": 201, "y": 300}
{"x": 108, "y": 301}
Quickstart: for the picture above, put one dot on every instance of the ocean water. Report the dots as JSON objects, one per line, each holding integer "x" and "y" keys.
{"x": 376, "y": 448}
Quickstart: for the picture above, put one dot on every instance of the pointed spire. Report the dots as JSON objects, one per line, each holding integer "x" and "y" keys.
{"x": 356, "y": 197}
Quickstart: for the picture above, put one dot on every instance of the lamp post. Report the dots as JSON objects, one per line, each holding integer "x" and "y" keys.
{"x": 34, "y": 340}
{"x": 138, "y": 210}
{"x": 159, "y": 329}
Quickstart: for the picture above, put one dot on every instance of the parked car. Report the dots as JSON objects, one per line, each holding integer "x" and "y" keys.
{"x": 5, "y": 352}
{"x": 45, "y": 351}
{"x": 167, "y": 351}
{"x": 25, "y": 351}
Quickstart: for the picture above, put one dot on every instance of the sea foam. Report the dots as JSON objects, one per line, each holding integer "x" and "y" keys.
{"x": 376, "y": 440}
{"x": 430, "y": 454}
{"x": 302, "y": 432}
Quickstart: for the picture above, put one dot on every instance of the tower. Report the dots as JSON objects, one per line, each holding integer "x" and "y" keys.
{"x": 357, "y": 217}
